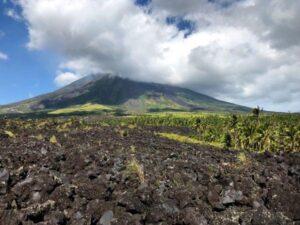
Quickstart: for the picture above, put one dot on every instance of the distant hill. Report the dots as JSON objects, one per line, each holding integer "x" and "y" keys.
{"x": 108, "y": 92}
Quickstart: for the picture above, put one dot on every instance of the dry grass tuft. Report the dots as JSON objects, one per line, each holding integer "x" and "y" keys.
{"x": 136, "y": 169}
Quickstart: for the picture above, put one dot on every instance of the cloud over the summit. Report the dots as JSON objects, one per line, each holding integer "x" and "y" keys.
{"x": 66, "y": 78}
{"x": 246, "y": 51}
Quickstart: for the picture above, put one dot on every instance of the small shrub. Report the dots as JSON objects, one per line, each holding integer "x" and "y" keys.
{"x": 53, "y": 140}
{"x": 132, "y": 149}
{"x": 234, "y": 120}
{"x": 123, "y": 133}
{"x": 226, "y": 140}
{"x": 241, "y": 157}
{"x": 136, "y": 169}
{"x": 256, "y": 111}
{"x": 39, "y": 137}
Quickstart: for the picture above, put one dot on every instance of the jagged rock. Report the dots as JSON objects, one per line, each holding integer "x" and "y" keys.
{"x": 132, "y": 204}
{"x": 231, "y": 196}
{"x": 43, "y": 151}
{"x": 4, "y": 177}
{"x": 36, "y": 196}
{"x": 215, "y": 200}
{"x": 56, "y": 217}
{"x": 174, "y": 155}
{"x": 37, "y": 212}
{"x": 256, "y": 204}
{"x": 155, "y": 215}
{"x": 295, "y": 171}
{"x": 283, "y": 201}
{"x": 106, "y": 218}
{"x": 264, "y": 217}
{"x": 78, "y": 215}
{"x": 191, "y": 217}
{"x": 94, "y": 210}
{"x": 170, "y": 207}
{"x": 183, "y": 197}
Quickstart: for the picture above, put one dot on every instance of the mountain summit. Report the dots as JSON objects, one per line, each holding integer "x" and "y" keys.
{"x": 120, "y": 93}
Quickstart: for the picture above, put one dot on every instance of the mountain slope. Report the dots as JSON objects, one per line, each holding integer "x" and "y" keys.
{"x": 125, "y": 94}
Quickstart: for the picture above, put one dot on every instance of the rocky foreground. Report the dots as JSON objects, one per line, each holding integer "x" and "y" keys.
{"x": 121, "y": 175}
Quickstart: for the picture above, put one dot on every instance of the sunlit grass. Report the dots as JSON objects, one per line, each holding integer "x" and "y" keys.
{"x": 134, "y": 168}
{"x": 188, "y": 140}
{"x": 241, "y": 157}
{"x": 187, "y": 114}
{"x": 53, "y": 140}
{"x": 81, "y": 108}
{"x": 9, "y": 134}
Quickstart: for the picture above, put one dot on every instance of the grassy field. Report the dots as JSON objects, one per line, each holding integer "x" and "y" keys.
{"x": 86, "y": 108}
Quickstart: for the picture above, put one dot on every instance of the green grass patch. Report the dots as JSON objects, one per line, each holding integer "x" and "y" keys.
{"x": 81, "y": 108}
{"x": 188, "y": 140}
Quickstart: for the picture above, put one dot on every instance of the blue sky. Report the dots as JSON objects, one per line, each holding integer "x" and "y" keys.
{"x": 28, "y": 73}
{"x": 211, "y": 46}
{"x": 25, "y": 73}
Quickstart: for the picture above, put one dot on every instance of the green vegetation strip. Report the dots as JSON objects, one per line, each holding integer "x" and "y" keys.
{"x": 81, "y": 108}
{"x": 259, "y": 133}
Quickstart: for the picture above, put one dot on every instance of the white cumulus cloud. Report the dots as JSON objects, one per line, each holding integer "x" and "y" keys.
{"x": 65, "y": 78}
{"x": 245, "y": 51}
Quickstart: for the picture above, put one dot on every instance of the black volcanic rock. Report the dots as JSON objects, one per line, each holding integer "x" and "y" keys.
{"x": 94, "y": 184}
